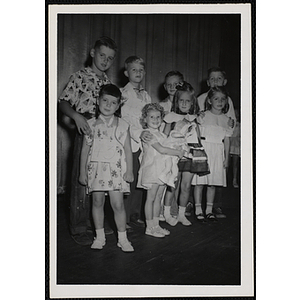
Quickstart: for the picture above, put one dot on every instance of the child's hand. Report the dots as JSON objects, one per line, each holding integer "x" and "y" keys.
{"x": 128, "y": 176}
{"x": 82, "y": 125}
{"x": 226, "y": 163}
{"x": 181, "y": 153}
{"x": 82, "y": 179}
{"x": 230, "y": 123}
{"x": 146, "y": 136}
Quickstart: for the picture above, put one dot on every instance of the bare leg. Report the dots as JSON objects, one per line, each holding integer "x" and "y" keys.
{"x": 198, "y": 192}
{"x": 211, "y": 191}
{"x": 184, "y": 196}
{"x": 98, "y": 209}
{"x": 117, "y": 204}
{"x": 151, "y": 194}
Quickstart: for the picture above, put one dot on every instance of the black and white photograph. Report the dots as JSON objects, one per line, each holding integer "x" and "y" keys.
{"x": 151, "y": 150}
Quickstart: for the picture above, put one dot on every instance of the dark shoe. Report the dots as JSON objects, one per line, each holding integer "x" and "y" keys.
{"x": 189, "y": 209}
{"x": 136, "y": 221}
{"x": 219, "y": 213}
{"x": 82, "y": 239}
{"x": 129, "y": 228}
{"x": 108, "y": 230}
{"x": 211, "y": 217}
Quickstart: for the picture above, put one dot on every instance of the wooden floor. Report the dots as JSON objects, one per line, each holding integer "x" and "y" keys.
{"x": 202, "y": 254}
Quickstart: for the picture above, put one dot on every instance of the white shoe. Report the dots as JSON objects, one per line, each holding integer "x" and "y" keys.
{"x": 125, "y": 246}
{"x": 171, "y": 220}
{"x": 98, "y": 244}
{"x": 154, "y": 233}
{"x": 184, "y": 221}
{"x": 162, "y": 218}
{"x": 162, "y": 230}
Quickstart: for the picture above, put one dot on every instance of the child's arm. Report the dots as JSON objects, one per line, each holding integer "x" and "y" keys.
{"x": 80, "y": 121}
{"x": 167, "y": 129}
{"x": 83, "y": 162}
{"x": 128, "y": 175}
{"x": 168, "y": 151}
{"x": 226, "y": 150}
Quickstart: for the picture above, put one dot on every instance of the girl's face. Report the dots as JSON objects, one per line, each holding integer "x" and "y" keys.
{"x": 217, "y": 102}
{"x": 108, "y": 105}
{"x": 153, "y": 119}
{"x": 171, "y": 83}
{"x": 185, "y": 102}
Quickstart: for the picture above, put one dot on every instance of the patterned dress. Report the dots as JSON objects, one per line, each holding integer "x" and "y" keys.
{"x": 106, "y": 161}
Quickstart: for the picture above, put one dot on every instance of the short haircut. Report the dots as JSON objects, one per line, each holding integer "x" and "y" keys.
{"x": 216, "y": 69}
{"x": 106, "y": 41}
{"x": 184, "y": 87}
{"x": 148, "y": 107}
{"x": 174, "y": 73}
{"x": 210, "y": 94}
{"x": 134, "y": 59}
{"x": 111, "y": 90}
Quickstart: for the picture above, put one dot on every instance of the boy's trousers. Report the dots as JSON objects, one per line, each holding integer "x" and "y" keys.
{"x": 79, "y": 200}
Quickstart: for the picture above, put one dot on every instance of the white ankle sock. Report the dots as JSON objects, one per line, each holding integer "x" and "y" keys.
{"x": 122, "y": 235}
{"x": 149, "y": 223}
{"x": 181, "y": 211}
{"x": 198, "y": 209}
{"x": 167, "y": 211}
{"x": 100, "y": 234}
{"x": 209, "y": 207}
{"x": 155, "y": 221}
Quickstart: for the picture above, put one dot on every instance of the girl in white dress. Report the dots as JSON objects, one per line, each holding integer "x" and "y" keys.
{"x": 153, "y": 164}
{"x": 106, "y": 165}
{"x": 215, "y": 133}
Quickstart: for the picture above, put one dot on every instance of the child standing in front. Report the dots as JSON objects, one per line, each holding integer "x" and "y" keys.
{"x": 106, "y": 165}
{"x": 78, "y": 101}
{"x": 184, "y": 107}
{"x": 135, "y": 98}
{"x": 152, "y": 165}
{"x": 215, "y": 133}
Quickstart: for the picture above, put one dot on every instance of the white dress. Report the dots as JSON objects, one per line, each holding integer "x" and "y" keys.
{"x": 213, "y": 129}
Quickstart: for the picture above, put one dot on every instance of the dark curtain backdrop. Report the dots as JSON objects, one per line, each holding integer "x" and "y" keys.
{"x": 190, "y": 44}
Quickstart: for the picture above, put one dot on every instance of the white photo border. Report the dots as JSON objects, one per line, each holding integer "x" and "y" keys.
{"x": 246, "y": 289}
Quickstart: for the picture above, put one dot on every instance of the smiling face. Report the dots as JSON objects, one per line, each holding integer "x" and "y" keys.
{"x": 171, "y": 83}
{"x": 135, "y": 73}
{"x": 185, "y": 102}
{"x": 103, "y": 57}
{"x": 216, "y": 78}
{"x": 108, "y": 105}
{"x": 153, "y": 119}
{"x": 217, "y": 102}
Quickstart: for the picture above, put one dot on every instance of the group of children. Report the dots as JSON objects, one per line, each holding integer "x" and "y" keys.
{"x": 126, "y": 145}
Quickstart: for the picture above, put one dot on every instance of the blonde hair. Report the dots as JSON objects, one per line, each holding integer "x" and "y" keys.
{"x": 147, "y": 108}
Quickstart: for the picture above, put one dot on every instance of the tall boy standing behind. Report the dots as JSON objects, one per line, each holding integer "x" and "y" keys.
{"x": 78, "y": 101}
{"x": 135, "y": 98}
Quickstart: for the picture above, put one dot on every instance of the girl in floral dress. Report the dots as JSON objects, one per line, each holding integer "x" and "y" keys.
{"x": 106, "y": 165}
